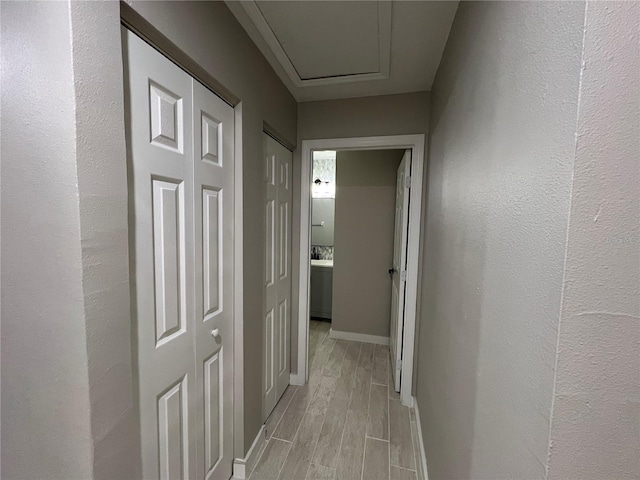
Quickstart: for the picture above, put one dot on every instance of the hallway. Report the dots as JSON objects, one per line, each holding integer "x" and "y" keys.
{"x": 346, "y": 423}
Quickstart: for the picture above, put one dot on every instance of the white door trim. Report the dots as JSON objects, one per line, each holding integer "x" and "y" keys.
{"x": 238, "y": 289}
{"x": 414, "y": 142}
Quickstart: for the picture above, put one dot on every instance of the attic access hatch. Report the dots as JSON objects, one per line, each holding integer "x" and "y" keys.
{"x": 322, "y": 43}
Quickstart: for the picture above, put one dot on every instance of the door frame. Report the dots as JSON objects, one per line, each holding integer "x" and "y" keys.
{"x": 414, "y": 142}
{"x": 133, "y": 21}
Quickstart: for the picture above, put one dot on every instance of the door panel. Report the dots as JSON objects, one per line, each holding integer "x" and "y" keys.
{"x": 174, "y": 443}
{"x": 270, "y": 242}
{"x": 399, "y": 267}
{"x": 278, "y": 164}
{"x": 283, "y": 240}
{"x": 211, "y": 247}
{"x": 161, "y": 178}
{"x": 169, "y": 259}
{"x": 213, "y": 138}
{"x": 283, "y": 322}
{"x": 213, "y": 420}
{"x": 181, "y": 188}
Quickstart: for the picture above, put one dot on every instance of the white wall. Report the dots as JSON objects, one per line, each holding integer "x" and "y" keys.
{"x": 46, "y": 431}
{"x": 595, "y": 430}
{"x": 501, "y": 156}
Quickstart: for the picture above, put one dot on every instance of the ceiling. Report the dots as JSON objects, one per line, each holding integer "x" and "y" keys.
{"x": 339, "y": 49}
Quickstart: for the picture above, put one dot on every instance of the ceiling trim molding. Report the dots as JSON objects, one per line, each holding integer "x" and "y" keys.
{"x": 384, "y": 37}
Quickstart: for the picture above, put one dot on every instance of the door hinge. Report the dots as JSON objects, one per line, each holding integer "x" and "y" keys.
{"x": 403, "y": 275}
{"x": 407, "y": 181}
{"x": 399, "y": 364}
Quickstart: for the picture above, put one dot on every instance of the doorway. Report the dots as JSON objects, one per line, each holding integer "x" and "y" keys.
{"x": 414, "y": 143}
{"x": 353, "y": 198}
{"x": 323, "y": 190}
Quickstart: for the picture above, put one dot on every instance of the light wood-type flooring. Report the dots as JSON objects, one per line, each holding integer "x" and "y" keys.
{"x": 346, "y": 423}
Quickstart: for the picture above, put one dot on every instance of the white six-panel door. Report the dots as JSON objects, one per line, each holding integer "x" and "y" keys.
{"x": 277, "y": 318}
{"x": 399, "y": 266}
{"x": 181, "y": 189}
{"x": 213, "y": 186}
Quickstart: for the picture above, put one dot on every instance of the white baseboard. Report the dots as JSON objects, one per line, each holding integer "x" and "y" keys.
{"x": 242, "y": 467}
{"x": 358, "y": 337}
{"x": 296, "y": 379}
{"x": 423, "y": 455}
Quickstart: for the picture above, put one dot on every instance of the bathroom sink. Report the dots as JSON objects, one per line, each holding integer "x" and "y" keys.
{"x": 322, "y": 263}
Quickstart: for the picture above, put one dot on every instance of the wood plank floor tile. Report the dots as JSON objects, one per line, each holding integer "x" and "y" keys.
{"x": 290, "y": 422}
{"x": 398, "y": 473}
{"x": 376, "y": 460}
{"x": 299, "y": 458}
{"x": 378, "y": 421}
{"x": 329, "y": 442}
{"x": 270, "y": 463}
{"x": 334, "y": 362}
{"x": 278, "y": 411}
{"x": 352, "y": 355}
{"x": 323, "y": 351}
{"x": 392, "y": 392}
{"x": 345, "y": 420}
{"x": 352, "y": 450}
{"x": 366, "y": 356}
{"x": 361, "y": 390}
{"x": 401, "y": 443}
{"x": 380, "y": 372}
{"x": 314, "y": 339}
{"x": 318, "y": 472}
{"x": 328, "y": 447}
{"x": 323, "y": 393}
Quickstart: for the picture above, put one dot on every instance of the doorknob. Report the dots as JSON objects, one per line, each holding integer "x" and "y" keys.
{"x": 392, "y": 271}
{"x": 215, "y": 333}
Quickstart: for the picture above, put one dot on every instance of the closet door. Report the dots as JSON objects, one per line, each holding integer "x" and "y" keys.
{"x": 213, "y": 184}
{"x": 284, "y": 164}
{"x": 161, "y": 190}
{"x": 277, "y": 318}
{"x": 182, "y": 233}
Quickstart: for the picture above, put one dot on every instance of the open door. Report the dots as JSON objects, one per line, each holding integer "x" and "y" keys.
{"x": 399, "y": 270}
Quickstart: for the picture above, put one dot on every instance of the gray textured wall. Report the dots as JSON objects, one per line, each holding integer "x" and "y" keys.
{"x": 595, "y": 430}
{"x": 502, "y": 147}
{"x": 46, "y": 431}
{"x": 365, "y": 216}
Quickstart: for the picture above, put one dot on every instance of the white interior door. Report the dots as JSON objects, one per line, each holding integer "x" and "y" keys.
{"x": 277, "y": 318}
{"x": 213, "y": 134}
{"x": 181, "y": 188}
{"x": 399, "y": 272}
